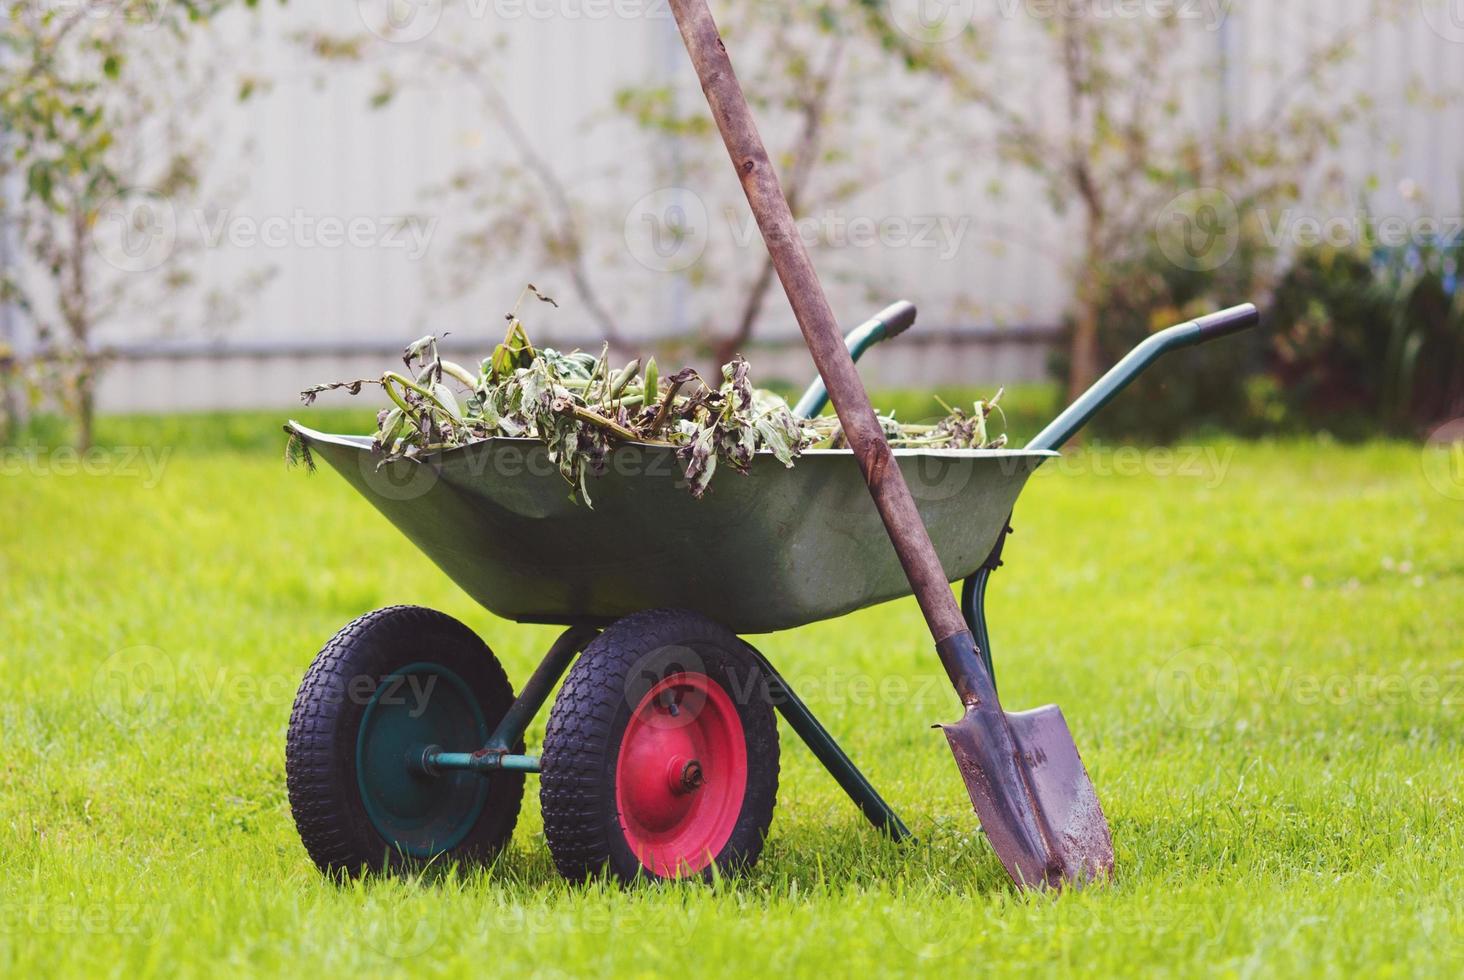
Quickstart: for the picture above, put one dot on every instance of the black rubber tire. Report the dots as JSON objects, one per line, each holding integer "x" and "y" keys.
{"x": 581, "y": 746}
{"x": 320, "y": 749}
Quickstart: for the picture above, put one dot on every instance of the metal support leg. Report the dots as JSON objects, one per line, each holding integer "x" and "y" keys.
{"x": 498, "y": 753}
{"x": 538, "y": 688}
{"x": 827, "y": 751}
{"x": 973, "y": 607}
{"x": 973, "y": 602}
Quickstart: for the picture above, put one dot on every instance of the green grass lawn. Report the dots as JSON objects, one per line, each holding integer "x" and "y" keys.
{"x": 1261, "y": 655}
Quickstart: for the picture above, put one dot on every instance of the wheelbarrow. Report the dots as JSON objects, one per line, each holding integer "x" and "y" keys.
{"x": 660, "y": 759}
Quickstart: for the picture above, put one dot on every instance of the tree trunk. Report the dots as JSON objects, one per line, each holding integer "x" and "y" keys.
{"x": 728, "y": 347}
{"x": 86, "y": 405}
{"x": 1084, "y": 355}
{"x": 11, "y": 418}
{"x": 76, "y": 311}
{"x": 1084, "y": 366}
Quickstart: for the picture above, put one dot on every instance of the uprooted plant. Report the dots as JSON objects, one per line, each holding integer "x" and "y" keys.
{"x": 578, "y": 405}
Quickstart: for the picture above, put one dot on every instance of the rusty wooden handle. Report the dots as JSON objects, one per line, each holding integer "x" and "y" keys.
{"x": 816, "y": 319}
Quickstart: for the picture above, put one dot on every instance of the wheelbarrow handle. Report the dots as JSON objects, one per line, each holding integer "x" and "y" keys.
{"x": 1200, "y": 331}
{"x": 890, "y": 322}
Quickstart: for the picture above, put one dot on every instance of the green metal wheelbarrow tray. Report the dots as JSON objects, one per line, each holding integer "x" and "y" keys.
{"x": 406, "y": 740}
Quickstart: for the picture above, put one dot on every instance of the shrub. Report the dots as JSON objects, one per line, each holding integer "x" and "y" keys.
{"x": 1203, "y": 389}
{"x": 1367, "y": 341}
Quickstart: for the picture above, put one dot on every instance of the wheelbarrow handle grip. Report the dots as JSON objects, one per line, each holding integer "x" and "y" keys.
{"x": 1232, "y": 321}
{"x": 1200, "y": 331}
{"x": 892, "y": 321}
{"x": 896, "y": 318}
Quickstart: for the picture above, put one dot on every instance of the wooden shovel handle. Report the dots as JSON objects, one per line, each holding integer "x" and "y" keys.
{"x": 816, "y": 319}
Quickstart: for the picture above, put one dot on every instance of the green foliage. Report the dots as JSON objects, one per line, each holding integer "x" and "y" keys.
{"x": 59, "y": 81}
{"x": 1371, "y": 340}
{"x": 1135, "y": 136}
{"x": 579, "y": 406}
{"x": 1197, "y": 390}
{"x": 1355, "y": 341}
{"x": 78, "y": 84}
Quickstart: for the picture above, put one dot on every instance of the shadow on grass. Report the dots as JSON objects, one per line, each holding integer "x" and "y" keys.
{"x": 944, "y": 859}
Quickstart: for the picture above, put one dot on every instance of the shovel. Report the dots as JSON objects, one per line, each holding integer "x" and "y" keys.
{"x": 1022, "y": 771}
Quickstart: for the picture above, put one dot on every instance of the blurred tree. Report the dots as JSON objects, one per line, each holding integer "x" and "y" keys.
{"x": 1114, "y": 114}
{"x": 812, "y": 74}
{"x": 1372, "y": 338}
{"x": 520, "y": 206}
{"x": 806, "y": 75}
{"x": 83, "y": 89}
{"x": 1118, "y": 113}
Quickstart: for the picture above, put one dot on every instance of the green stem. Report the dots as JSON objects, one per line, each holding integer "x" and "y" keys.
{"x": 460, "y": 373}
{"x": 401, "y": 402}
{"x": 665, "y": 408}
{"x": 595, "y": 418}
{"x": 424, "y": 392}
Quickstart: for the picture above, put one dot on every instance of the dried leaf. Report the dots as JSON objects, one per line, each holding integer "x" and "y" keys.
{"x": 576, "y": 406}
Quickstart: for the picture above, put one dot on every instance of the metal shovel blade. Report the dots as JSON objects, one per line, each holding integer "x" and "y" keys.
{"x": 1032, "y": 794}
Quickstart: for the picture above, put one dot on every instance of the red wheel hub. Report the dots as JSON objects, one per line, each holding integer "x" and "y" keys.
{"x": 681, "y": 775}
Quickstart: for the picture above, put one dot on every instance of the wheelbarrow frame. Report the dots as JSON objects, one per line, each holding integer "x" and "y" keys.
{"x": 498, "y": 754}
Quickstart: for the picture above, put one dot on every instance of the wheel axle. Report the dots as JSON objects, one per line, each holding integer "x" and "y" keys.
{"x": 434, "y": 760}
{"x": 685, "y": 776}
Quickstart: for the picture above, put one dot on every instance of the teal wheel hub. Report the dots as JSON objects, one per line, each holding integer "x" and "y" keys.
{"x": 418, "y": 812}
